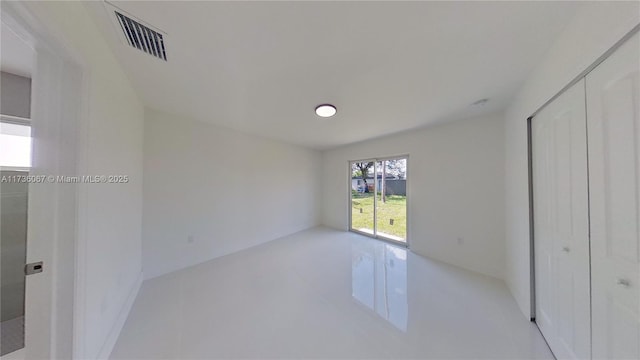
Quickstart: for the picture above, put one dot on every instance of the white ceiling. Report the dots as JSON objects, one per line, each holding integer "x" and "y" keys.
{"x": 17, "y": 56}
{"x": 262, "y": 67}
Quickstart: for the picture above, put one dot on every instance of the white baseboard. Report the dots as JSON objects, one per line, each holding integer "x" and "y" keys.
{"x": 110, "y": 343}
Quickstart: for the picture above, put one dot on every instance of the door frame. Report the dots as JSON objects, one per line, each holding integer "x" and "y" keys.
{"x": 375, "y": 201}
{"x": 54, "y": 311}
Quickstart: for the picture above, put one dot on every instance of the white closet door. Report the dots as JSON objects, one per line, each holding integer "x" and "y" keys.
{"x": 613, "y": 108}
{"x": 561, "y": 224}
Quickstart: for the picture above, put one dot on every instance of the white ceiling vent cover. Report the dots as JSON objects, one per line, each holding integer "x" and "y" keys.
{"x": 139, "y": 35}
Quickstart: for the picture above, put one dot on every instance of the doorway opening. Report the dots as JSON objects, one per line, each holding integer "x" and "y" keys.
{"x": 42, "y": 139}
{"x": 378, "y": 198}
{"x": 15, "y": 164}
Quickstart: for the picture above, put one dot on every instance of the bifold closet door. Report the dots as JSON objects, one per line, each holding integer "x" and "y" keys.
{"x": 613, "y": 112}
{"x": 561, "y": 224}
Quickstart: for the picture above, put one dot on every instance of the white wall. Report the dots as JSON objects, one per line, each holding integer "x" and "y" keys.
{"x": 595, "y": 28}
{"x": 455, "y": 189}
{"x": 210, "y": 191}
{"x": 113, "y": 212}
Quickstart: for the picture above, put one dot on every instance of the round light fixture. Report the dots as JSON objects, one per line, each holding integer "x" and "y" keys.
{"x": 325, "y": 110}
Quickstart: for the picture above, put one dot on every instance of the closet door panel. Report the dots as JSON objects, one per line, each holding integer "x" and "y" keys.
{"x": 561, "y": 224}
{"x": 545, "y": 263}
{"x": 613, "y": 109}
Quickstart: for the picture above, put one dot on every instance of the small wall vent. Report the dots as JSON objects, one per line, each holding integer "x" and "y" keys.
{"x": 141, "y": 36}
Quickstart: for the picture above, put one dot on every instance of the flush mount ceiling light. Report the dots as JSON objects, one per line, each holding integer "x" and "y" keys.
{"x": 325, "y": 110}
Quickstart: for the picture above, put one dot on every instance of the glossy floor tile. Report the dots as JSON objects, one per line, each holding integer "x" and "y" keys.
{"x": 11, "y": 335}
{"x": 323, "y": 293}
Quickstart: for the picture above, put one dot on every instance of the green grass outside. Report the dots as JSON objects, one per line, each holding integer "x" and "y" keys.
{"x": 394, "y": 208}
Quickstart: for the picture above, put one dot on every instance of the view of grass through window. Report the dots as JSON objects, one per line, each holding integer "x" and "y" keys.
{"x": 380, "y": 185}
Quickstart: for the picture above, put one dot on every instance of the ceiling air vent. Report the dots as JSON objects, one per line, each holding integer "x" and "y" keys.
{"x": 141, "y": 36}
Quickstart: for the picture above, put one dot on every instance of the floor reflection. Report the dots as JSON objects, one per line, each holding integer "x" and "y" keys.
{"x": 379, "y": 280}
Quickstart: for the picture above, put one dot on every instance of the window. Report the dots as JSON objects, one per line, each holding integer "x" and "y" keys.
{"x": 15, "y": 145}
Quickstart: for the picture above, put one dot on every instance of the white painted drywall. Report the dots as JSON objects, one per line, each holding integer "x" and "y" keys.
{"x": 113, "y": 212}
{"x": 455, "y": 189}
{"x": 595, "y": 28}
{"x": 210, "y": 191}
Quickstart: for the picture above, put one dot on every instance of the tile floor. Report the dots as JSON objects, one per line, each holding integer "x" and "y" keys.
{"x": 11, "y": 335}
{"x": 323, "y": 293}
